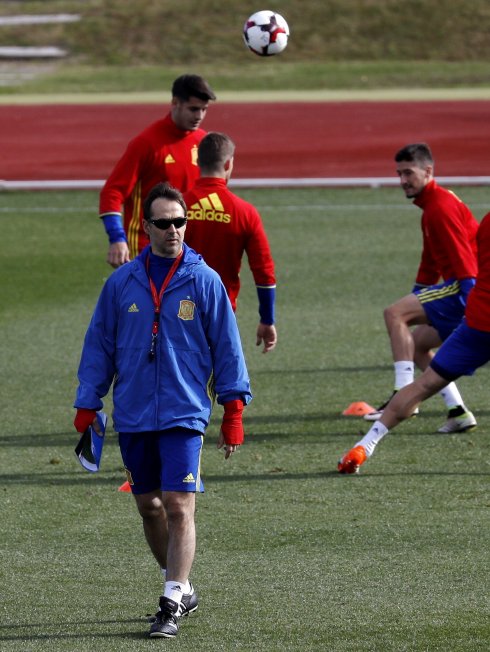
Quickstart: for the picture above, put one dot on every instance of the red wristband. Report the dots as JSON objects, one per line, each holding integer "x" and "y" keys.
{"x": 232, "y": 425}
{"x": 83, "y": 419}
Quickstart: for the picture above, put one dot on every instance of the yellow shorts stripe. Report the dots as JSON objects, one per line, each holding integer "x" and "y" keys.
{"x": 439, "y": 293}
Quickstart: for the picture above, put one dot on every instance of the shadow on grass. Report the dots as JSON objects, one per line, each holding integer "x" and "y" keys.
{"x": 347, "y": 426}
{"x": 62, "y": 480}
{"x": 17, "y": 632}
{"x": 47, "y": 480}
{"x": 112, "y": 621}
{"x": 331, "y": 474}
{"x": 323, "y": 370}
{"x": 55, "y": 439}
{"x": 63, "y": 439}
{"x": 22, "y": 635}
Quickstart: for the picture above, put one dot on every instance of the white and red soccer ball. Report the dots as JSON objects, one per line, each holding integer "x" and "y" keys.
{"x": 266, "y": 33}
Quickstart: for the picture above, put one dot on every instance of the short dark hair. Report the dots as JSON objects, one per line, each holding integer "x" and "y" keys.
{"x": 162, "y": 191}
{"x": 418, "y": 153}
{"x": 214, "y": 149}
{"x": 187, "y": 86}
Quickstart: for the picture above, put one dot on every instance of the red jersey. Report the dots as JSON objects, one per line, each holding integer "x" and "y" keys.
{"x": 478, "y": 305}
{"x": 449, "y": 236}
{"x": 221, "y": 226}
{"x": 162, "y": 152}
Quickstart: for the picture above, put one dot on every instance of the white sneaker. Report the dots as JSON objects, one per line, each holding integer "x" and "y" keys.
{"x": 460, "y": 423}
{"x": 373, "y": 416}
{"x": 378, "y": 413}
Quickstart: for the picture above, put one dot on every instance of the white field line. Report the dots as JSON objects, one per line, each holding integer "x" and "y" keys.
{"x": 323, "y": 208}
{"x": 327, "y": 182}
{"x": 157, "y": 97}
{"x": 38, "y": 19}
{"x": 28, "y": 52}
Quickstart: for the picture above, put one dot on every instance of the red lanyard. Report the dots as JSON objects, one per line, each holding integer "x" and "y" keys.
{"x": 157, "y": 300}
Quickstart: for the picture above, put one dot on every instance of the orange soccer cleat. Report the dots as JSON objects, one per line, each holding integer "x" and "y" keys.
{"x": 352, "y": 460}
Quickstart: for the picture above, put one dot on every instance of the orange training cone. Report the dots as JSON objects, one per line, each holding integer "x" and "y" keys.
{"x": 358, "y": 409}
{"x": 125, "y": 487}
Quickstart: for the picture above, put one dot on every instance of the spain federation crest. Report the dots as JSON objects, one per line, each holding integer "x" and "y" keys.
{"x": 186, "y": 310}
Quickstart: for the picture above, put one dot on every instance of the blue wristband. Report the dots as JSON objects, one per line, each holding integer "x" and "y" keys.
{"x": 114, "y": 228}
{"x": 466, "y": 284}
{"x": 267, "y": 299}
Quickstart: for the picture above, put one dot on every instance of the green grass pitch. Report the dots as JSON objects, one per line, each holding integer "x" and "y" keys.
{"x": 290, "y": 555}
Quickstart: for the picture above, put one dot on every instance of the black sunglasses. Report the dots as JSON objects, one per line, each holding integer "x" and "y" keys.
{"x": 178, "y": 222}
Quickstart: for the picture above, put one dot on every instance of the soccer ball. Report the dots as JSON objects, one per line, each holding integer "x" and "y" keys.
{"x": 266, "y": 33}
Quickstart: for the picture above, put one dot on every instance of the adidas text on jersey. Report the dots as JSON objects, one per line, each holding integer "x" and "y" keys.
{"x": 209, "y": 208}
{"x": 196, "y": 212}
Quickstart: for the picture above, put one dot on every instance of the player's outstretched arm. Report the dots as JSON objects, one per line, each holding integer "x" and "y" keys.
{"x": 266, "y": 334}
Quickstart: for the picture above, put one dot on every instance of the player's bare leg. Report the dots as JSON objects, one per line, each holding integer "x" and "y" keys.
{"x": 168, "y": 523}
{"x": 399, "y": 317}
{"x": 155, "y": 526}
{"x": 400, "y": 407}
{"x": 169, "y": 526}
{"x": 425, "y": 339}
{"x": 181, "y": 548}
{"x": 408, "y": 398}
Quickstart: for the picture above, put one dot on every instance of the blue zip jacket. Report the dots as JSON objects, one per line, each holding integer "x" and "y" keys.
{"x": 198, "y": 353}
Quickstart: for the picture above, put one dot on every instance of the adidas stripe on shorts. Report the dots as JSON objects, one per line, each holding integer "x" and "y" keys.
{"x": 444, "y": 305}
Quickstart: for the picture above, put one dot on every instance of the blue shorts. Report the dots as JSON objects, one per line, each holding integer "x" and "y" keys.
{"x": 463, "y": 353}
{"x": 444, "y": 305}
{"x": 169, "y": 460}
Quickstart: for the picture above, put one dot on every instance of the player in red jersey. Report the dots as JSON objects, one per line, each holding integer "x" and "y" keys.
{"x": 436, "y": 308}
{"x": 164, "y": 151}
{"x": 221, "y": 227}
{"x": 465, "y": 350}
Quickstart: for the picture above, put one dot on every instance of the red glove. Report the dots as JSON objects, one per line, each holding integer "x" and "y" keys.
{"x": 83, "y": 419}
{"x": 232, "y": 425}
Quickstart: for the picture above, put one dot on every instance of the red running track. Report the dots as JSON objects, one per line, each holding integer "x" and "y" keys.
{"x": 278, "y": 140}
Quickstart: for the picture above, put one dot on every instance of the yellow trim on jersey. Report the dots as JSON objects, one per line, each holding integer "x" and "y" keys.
{"x": 438, "y": 293}
{"x": 210, "y": 388}
{"x": 134, "y": 224}
{"x": 110, "y": 213}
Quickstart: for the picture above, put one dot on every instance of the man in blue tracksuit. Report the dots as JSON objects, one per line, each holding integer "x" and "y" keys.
{"x": 164, "y": 333}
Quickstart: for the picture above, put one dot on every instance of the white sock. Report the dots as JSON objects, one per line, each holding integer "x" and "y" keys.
{"x": 187, "y": 587}
{"x": 372, "y": 438}
{"x": 174, "y": 591}
{"x": 404, "y": 372}
{"x": 452, "y": 397}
